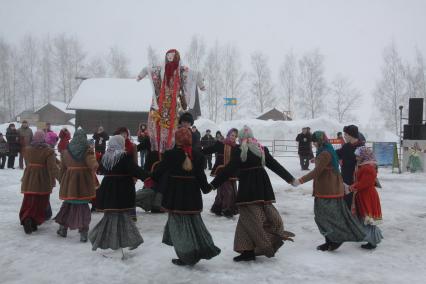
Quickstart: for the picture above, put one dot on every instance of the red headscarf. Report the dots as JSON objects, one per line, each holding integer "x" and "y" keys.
{"x": 171, "y": 66}
{"x": 183, "y": 138}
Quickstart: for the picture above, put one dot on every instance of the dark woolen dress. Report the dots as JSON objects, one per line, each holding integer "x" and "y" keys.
{"x": 185, "y": 230}
{"x": 226, "y": 195}
{"x": 260, "y": 227}
{"x": 115, "y": 197}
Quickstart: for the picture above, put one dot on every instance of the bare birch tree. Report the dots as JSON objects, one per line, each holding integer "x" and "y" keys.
{"x": 261, "y": 84}
{"x": 153, "y": 58}
{"x": 311, "y": 84}
{"x": 118, "y": 63}
{"x": 195, "y": 53}
{"x": 288, "y": 82}
{"x": 390, "y": 90}
{"x": 345, "y": 99}
{"x": 28, "y": 67}
{"x": 213, "y": 78}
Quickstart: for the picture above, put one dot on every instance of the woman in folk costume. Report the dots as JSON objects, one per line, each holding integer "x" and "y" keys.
{"x": 224, "y": 203}
{"x": 332, "y": 216}
{"x": 37, "y": 182}
{"x": 260, "y": 229}
{"x": 78, "y": 167}
{"x": 185, "y": 230}
{"x": 366, "y": 205}
{"x": 174, "y": 89}
{"x": 131, "y": 150}
{"x": 115, "y": 197}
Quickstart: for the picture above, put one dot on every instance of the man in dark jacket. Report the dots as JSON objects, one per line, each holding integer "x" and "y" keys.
{"x": 12, "y": 137}
{"x": 25, "y": 138}
{"x": 207, "y": 141}
{"x": 304, "y": 148}
{"x": 4, "y": 150}
{"x": 196, "y": 138}
{"x": 347, "y": 156}
{"x": 100, "y": 137}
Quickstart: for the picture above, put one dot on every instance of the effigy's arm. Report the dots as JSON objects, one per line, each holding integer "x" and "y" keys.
{"x": 143, "y": 73}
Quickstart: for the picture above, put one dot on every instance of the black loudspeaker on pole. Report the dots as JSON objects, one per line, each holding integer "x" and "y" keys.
{"x": 415, "y": 111}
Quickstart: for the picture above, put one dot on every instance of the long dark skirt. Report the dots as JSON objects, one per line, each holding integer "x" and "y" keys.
{"x": 74, "y": 216}
{"x": 260, "y": 228}
{"x": 148, "y": 199}
{"x": 190, "y": 238}
{"x": 225, "y": 199}
{"x": 336, "y": 222}
{"x": 34, "y": 207}
{"x": 114, "y": 231}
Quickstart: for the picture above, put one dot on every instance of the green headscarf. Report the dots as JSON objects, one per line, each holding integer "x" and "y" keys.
{"x": 78, "y": 145}
{"x": 248, "y": 142}
{"x": 324, "y": 145}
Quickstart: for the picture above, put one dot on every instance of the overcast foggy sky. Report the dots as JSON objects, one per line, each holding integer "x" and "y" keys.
{"x": 350, "y": 34}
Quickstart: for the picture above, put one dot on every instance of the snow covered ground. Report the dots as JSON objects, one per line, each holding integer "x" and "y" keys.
{"x": 43, "y": 257}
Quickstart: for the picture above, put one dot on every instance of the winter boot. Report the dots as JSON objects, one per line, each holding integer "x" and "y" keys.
{"x": 34, "y": 226}
{"x": 27, "y": 226}
{"x": 333, "y": 246}
{"x": 62, "y": 231}
{"x": 216, "y": 210}
{"x": 247, "y": 255}
{"x": 368, "y": 246}
{"x": 323, "y": 247}
{"x": 83, "y": 235}
{"x": 179, "y": 262}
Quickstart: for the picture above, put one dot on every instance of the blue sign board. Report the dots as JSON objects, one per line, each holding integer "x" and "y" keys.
{"x": 385, "y": 153}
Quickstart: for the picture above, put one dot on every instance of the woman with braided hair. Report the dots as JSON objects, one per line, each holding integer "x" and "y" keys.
{"x": 260, "y": 229}
{"x": 182, "y": 186}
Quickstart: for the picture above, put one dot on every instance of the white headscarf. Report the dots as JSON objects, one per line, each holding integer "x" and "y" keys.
{"x": 114, "y": 152}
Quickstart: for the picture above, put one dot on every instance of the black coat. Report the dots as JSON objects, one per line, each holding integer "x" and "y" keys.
{"x": 196, "y": 140}
{"x": 207, "y": 141}
{"x": 181, "y": 189}
{"x": 347, "y": 155}
{"x": 117, "y": 189}
{"x": 217, "y": 148}
{"x": 100, "y": 141}
{"x": 12, "y": 137}
{"x": 305, "y": 144}
{"x": 254, "y": 184}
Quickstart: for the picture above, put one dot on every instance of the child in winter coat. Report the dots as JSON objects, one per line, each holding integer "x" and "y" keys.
{"x": 366, "y": 205}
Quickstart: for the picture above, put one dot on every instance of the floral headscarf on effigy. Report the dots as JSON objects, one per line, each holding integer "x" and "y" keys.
{"x": 248, "y": 142}
{"x": 366, "y": 155}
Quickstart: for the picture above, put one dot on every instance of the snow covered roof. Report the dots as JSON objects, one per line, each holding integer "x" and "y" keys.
{"x": 113, "y": 95}
{"x": 59, "y": 105}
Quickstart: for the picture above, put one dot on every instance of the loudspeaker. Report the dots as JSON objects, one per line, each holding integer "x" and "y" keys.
{"x": 415, "y": 132}
{"x": 415, "y": 111}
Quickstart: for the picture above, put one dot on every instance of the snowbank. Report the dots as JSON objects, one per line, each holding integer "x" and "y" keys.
{"x": 288, "y": 130}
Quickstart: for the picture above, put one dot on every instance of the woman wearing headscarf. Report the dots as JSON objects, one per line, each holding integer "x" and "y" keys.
{"x": 366, "y": 205}
{"x": 78, "y": 167}
{"x": 224, "y": 203}
{"x": 185, "y": 230}
{"x": 333, "y": 218}
{"x": 37, "y": 182}
{"x": 131, "y": 150}
{"x": 114, "y": 197}
{"x": 260, "y": 229}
